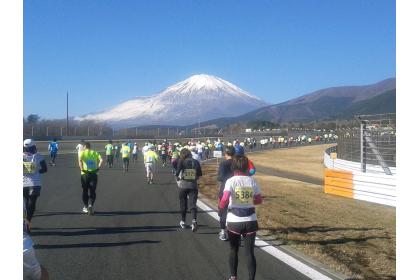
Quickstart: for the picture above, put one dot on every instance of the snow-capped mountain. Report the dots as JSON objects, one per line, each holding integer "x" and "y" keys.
{"x": 198, "y": 98}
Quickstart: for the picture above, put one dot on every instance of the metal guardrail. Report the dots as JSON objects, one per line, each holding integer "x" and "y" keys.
{"x": 373, "y": 142}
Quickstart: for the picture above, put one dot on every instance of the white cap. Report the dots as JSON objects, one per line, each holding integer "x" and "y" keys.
{"x": 28, "y": 143}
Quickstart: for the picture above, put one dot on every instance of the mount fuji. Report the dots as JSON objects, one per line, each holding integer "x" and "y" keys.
{"x": 198, "y": 98}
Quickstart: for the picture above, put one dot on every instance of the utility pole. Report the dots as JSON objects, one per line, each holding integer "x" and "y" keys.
{"x": 67, "y": 123}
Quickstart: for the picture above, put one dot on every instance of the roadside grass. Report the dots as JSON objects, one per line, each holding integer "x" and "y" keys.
{"x": 353, "y": 237}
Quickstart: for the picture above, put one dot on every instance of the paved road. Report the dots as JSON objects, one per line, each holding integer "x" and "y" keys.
{"x": 134, "y": 234}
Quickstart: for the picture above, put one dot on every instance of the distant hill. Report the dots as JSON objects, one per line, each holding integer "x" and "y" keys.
{"x": 325, "y": 104}
{"x": 383, "y": 103}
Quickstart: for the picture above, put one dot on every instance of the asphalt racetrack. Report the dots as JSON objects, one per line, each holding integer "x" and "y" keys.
{"x": 134, "y": 233}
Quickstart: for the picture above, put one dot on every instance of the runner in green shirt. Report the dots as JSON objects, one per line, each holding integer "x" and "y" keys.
{"x": 109, "y": 155}
{"x": 89, "y": 164}
{"x": 125, "y": 153}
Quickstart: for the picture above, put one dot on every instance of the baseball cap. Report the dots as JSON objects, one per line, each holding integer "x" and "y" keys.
{"x": 28, "y": 143}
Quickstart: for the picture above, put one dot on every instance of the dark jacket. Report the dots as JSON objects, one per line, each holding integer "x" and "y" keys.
{"x": 224, "y": 173}
{"x": 188, "y": 163}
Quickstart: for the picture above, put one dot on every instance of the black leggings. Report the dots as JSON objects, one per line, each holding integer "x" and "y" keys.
{"x": 235, "y": 242}
{"x": 89, "y": 182}
{"x": 188, "y": 197}
{"x": 31, "y": 194}
{"x": 222, "y": 215}
{"x": 126, "y": 162}
{"x": 110, "y": 160}
{"x": 164, "y": 157}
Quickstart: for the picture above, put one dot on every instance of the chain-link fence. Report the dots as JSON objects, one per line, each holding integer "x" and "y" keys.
{"x": 372, "y": 142}
{"x": 46, "y": 132}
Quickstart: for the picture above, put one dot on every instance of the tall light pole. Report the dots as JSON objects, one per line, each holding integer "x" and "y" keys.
{"x": 67, "y": 123}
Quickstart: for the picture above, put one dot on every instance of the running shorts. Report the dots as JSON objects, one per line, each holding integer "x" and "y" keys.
{"x": 243, "y": 228}
{"x": 150, "y": 167}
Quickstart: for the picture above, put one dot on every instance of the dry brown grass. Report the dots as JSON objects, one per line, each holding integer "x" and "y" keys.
{"x": 307, "y": 160}
{"x": 353, "y": 237}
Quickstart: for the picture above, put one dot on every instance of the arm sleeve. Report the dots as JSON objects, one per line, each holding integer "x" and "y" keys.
{"x": 178, "y": 168}
{"x": 43, "y": 167}
{"x": 225, "y": 199}
{"x": 251, "y": 168}
{"x": 257, "y": 193}
{"x": 219, "y": 173}
{"x": 199, "y": 172}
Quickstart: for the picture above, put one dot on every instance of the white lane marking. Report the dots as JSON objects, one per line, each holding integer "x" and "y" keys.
{"x": 278, "y": 254}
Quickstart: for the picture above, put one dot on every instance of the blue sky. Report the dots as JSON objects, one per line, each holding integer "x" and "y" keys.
{"x": 107, "y": 51}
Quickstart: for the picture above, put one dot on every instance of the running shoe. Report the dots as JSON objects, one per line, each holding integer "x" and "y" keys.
{"x": 90, "y": 210}
{"x": 182, "y": 224}
{"x": 223, "y": 235}
{"x": 194, "y": 226}
{"x": 233, "y": 278}
{"x": 85, "y": 210}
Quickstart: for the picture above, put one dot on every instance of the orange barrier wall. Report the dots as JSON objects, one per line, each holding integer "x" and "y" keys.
{"x": 338, "y": 182}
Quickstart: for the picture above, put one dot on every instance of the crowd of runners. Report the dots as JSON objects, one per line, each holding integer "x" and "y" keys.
{"x": 238, "y": 192}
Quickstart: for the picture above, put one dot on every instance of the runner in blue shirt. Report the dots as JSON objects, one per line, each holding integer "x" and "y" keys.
{"x": 53, "y": 149}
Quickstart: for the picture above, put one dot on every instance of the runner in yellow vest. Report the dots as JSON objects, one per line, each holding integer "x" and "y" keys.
{"x": 89, "y": 164}
{"x": 150, "y": 160}
{"x": 109, "y": 156}
{"x": 125, "y": 154}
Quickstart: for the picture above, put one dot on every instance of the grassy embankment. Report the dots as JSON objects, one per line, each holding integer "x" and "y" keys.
{"x": 353, "y": 237}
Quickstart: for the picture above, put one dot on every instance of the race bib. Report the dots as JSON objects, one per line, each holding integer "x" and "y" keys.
{"x": 149, "y": 159}
{"x": 189, "y": 174}
{"x": 90, "y": 164}
{"x": 243, "y": 195}
{"x": 125, "y": 152}
{"x": 29, "y": 167}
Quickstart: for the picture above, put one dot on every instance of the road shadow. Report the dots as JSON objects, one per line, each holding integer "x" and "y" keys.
{"x": 321, "y": 240}
{"x": 114, "y": 213}
{"x": 46, "y": 214}
{"x": 132, "y": 213}
{"x": 287, "y": 230}
{"x": 94, "y": 245}
{"x": 75, "y": 231}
